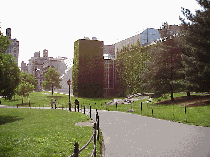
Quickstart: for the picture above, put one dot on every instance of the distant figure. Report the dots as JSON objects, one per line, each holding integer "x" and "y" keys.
{"x": 76, "y": 102}
{"x": 55, "y": 104}
{"x": 51, "y": 103}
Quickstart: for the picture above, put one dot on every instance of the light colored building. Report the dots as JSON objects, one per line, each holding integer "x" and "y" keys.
{"x": 35, "y": 67}
{"x": 24, "y": 67}
{"x": 109, "y": 51}
{"x": 149, "y": 35}
{"x": 131, "y": 41}
{"x": 45, "y": 53}
{"x": 57, "y": 63}
{"x": 13, "y": 49}
{"x": 109, "y": 76}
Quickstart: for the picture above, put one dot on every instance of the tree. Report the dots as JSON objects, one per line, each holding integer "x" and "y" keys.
{"x": 164, "y": 67}
{"x": 29, "y": 78}
{"x": 9, "y": 75}
{"x": 24, "y": 89}
{"x": 27, "y": 84}
{"x": 4, "y": 42}
{"x": 52, "y": 79}
{"x": 196, "y": 47}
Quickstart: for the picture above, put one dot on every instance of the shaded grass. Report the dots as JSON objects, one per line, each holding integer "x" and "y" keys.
{"x": 27, "y": 132}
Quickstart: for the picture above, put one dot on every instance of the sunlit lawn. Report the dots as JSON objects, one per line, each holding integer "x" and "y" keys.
{"x": 39, "y": 99}
{"x": 175, "y": 112}
{"x": 36, "y": 132}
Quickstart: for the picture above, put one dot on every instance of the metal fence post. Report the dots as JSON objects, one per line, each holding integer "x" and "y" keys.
{"x": 94, "y": 139}
{"x": 75, "y": 107}
{"x": 84, "y": 109}
{"x": 76, "y": 149}
{"x": 98, "y": 127}
{"x": 141, "y": 107}
{"x": 90, "y": 111}
{"x": 96, "y": 115}
{"x": 116, "y": 105}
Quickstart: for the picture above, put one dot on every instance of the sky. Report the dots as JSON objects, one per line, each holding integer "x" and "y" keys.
{"x": 55, "y": 25}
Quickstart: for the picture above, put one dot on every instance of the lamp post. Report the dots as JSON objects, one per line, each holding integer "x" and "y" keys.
{"x": 69, "y": 83}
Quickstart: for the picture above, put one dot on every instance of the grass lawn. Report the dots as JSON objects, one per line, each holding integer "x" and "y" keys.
{"x": 38, "y": 132}
{"x": 43, "y": 98}
{"x": 197, "y": 109}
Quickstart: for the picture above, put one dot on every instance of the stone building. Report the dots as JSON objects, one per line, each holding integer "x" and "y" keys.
{"x": 13, "y": 49}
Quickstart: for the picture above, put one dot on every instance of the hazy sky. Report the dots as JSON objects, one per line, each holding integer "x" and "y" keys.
{"x": 55, "y": 25}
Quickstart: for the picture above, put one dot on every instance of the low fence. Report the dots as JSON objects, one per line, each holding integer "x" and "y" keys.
{"x": 94, "y": 136}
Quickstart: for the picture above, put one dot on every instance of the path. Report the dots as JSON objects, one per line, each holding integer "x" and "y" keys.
{"x": 127, "y": 134}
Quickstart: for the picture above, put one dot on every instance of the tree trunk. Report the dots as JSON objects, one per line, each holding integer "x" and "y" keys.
{"x": 172, "y": 96}
{"x": 188, "y": 94}
{"x": 52, "y": 90}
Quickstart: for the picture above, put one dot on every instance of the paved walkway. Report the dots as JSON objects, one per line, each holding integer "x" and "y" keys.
{"x": 127, "y": 134}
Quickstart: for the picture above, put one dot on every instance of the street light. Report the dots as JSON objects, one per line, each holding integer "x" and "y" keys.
{"x": 69, "y": 83}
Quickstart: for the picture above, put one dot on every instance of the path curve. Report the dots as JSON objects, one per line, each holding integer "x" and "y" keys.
{"x": 127, "y": 134}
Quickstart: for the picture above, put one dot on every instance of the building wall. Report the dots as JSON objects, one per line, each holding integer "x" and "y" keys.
{"x": 109, "y": 78}
{"x": 132, "y": 40}
{"x": 149, "y": 35}
{"x": 58, "y": 65}
{"x": 90, "y": 68}
{"x": 45, "y": 53}
{"x": 24, "y": 67}
{"x": 13, "y": 49}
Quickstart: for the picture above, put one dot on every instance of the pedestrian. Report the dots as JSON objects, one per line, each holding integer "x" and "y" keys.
{"x": 51, "y": 103}
{"x": 55, "y": 104}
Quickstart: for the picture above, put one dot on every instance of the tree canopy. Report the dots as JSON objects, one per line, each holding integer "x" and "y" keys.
{"x": 27, "y": 85}
{"x": 196, "y": 47}
{"x": 52, "y": 79}
{"x": 9, "y": 75}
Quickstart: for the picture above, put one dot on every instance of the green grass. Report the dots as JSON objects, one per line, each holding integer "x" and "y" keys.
{"x": 34, "y": 132}
{"x": 43, "y": 100}
{"x": 199, "y": 116}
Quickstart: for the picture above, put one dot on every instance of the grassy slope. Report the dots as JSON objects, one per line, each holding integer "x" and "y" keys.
{"x": 199, "y": 116}
{"x": 33, "y": 132}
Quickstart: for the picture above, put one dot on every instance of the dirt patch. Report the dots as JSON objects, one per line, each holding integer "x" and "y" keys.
{"x": 192, "y": 101}
{"x": 200, "y": 103}
{"x": 89, "y": 123}
{"x": 46, "y": 93}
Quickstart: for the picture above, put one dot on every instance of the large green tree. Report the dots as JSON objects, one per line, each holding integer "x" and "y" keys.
{"x": 164, "y": 67}
{"x": 9, "y": 75}
{"x": 196, "y": 44}
{"x": 52, "y": 79}
{"x": 9, "y": 71}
